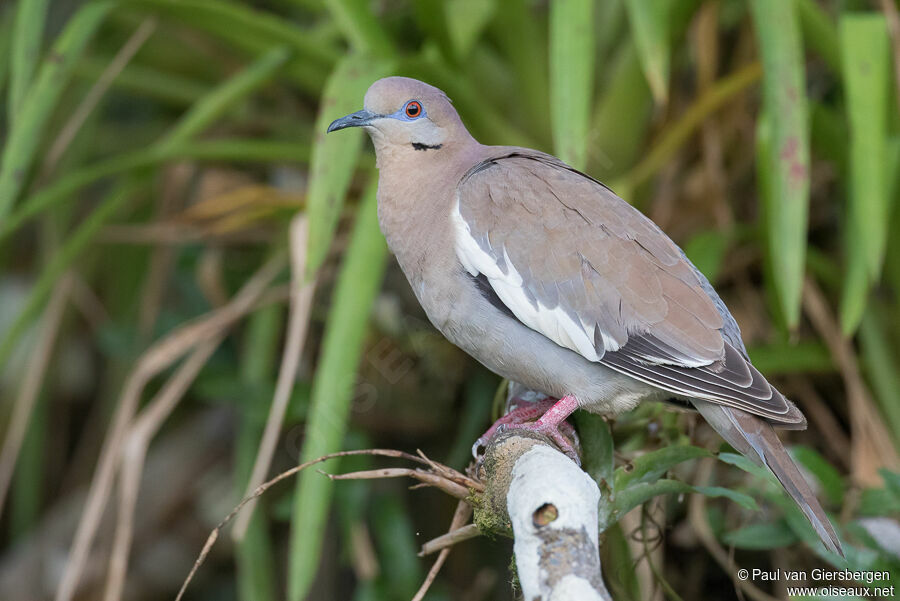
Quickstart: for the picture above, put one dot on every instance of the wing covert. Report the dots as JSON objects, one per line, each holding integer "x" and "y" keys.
{"x": 573, "y": 261}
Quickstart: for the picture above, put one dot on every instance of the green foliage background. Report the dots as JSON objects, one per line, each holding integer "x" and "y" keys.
{"x": 154, "y": 152}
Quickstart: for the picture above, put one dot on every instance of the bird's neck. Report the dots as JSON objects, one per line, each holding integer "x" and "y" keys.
{"x": 416, "y": 192}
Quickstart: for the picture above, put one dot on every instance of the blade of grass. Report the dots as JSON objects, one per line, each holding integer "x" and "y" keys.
{"x": 253, "y": 31}
{"x": 513, "y": 22}
{"x": 27, "y": 37}
{"x": 198, "y": 118}
{"x": 28, "y": 126}
{"x": 75, "y": 243}
{"x": 787, "y": 164}
{"x": 880, "y": 361}
{"x": 466, "y": 20}
{"x": 359, "y": 25}
{"x": 29, "y": 395}
{"x": 146, "y": 81}
{"x": 333, "y": 385}
{"x": 865, "y": 54}
{"x": 791, "y": 358}
{"x": 232, "y": 150}
{"x": 401, "y": 569}
{"x": 7, "y": 18}
{"x": 295, "y": 339}
{"x": 615, "y": 143}
{"x": 255, "y": 561}
{"x": 571, "y": 77}
{"x": 212, "y": 106}
{"x": 819, "y": 33}
{"x": 98, "y": 90}
{"x": 675, "y": 136}
{"x": 431, "y": 18}
{"x": 650, "y": 31}
{"x": 334, "y": 158}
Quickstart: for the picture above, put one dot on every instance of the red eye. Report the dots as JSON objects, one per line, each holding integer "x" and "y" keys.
{"x": 413, "y": 109}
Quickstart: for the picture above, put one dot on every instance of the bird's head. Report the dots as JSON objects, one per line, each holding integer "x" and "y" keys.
{"x": 407, "y": 115}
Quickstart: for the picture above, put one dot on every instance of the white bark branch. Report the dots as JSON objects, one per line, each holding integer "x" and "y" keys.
{"x": 551, "y": 506}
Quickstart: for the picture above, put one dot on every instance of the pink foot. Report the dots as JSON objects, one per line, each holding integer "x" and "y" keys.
{"x": 551, "y": 423}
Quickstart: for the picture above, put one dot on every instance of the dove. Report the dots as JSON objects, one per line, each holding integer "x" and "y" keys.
{"x": 546, "y": 277}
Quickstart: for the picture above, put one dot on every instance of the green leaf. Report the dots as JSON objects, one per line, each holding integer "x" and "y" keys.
{"x": 333, "y": 386}
{"x": 514, "y": 22}
{"x": 865, "y": 56}
{"x": 618, "y": 565}
{"x": 232, "y": 150}
{"x": 790, "y": 358}
{"x": 785, "y": 166}
{"x": 75, "y": 243}
{"x": 395, "y": 536}
{"x": 212, "y": 106}
{"x": 571, "y": 77}
{"x": 819, "y": 32}
{"x": 253, "y": 31}
{"x": 744, "y": 500}
{"x": 254, "y": 555}
{"x": 651, "y": 466}
{"x": 28, "y": 126}
{"x": 706, "y": 250}
{"x": 880, "y": 362}
{"x": 878, "y": 502}
{"x": 832, "y": 483}
{"x": 759, "y": 537}
{"x": 359, "y": 25}
{"x": 334, "y": 156}
{"x": 597, "y": 449}
{"x": 650, "y": 23}
{"x": 639, "y": 493}
{"x": 746, "y": 465}
{"x": 466, "y": 20}
{"x": 27, "y": 36}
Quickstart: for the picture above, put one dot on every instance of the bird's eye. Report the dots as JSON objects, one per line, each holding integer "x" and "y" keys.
{"x": 413, "y": 109}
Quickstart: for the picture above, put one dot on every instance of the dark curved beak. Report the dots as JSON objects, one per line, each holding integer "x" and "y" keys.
{"x": 357, "y": 119}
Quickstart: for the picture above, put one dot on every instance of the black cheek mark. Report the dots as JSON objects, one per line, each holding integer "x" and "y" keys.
{"x": 420, "y": 146}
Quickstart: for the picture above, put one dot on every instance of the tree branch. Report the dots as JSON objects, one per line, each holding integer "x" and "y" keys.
{"x": 550, "y": 505}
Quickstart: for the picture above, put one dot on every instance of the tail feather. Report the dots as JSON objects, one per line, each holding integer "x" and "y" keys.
{"x": 756, "y": 439}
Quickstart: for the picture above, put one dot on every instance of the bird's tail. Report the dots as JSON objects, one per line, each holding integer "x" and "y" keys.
{"x": 756, "y": 439}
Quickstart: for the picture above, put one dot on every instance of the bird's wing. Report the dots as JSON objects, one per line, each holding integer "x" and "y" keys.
{"x": 573, "y": 261}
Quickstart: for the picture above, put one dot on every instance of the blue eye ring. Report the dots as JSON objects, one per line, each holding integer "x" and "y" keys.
{"x": 413, "y": 109}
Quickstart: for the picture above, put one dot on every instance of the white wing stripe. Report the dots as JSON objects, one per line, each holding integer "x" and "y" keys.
{"x": 554, "y": 323}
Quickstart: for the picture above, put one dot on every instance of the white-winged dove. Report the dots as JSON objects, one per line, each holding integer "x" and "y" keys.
{"x": 546, "y": 277}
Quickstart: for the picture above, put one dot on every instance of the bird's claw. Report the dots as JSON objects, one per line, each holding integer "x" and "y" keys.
{"x": 564, "y": 437}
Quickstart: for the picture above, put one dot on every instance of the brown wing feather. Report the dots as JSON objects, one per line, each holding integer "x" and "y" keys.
{"x": 580, "y": 248}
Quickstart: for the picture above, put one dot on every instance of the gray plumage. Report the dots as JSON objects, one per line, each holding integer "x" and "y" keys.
{"x": 548, "y": 278}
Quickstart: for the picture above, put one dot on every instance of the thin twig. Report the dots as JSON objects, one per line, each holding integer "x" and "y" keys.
{"x": 31, "y": 384}
{"x": 175, "y": 182}
{"x": 262, "y": 488}
{"x": 460, "y": 517}
{"x": 157, "y": 358}
{"x": 448, "y": 540}
{"x": 80, "y": 115}
{"x": 871, "y": 445}
{"x": 135, "y": 450}
{"x": 697, "y": 519}
{"x": 298, "y": 324}
{"x": 445, "y": 484}
{"x": 450, "y": 473}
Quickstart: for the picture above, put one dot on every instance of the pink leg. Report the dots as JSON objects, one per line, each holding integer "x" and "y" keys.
{"x": 551, "y": 420}
{"x": 521, "y": 414}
